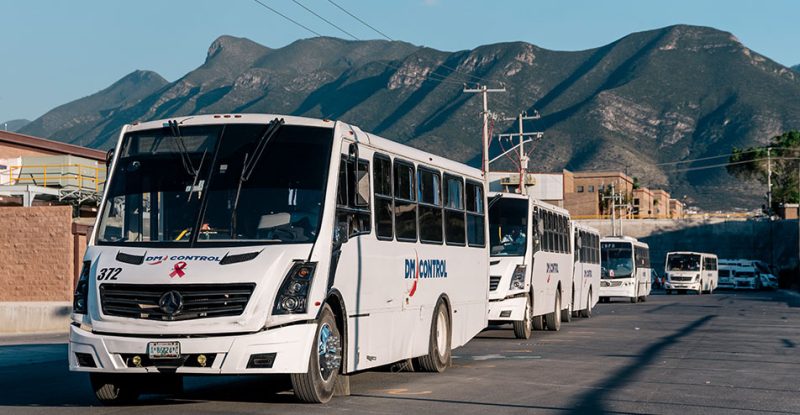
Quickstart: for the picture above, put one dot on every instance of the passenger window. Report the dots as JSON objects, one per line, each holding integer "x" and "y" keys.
{"x": 454, "y": 216}
{"x": 353, "y": 210}
{"x": 430, "y": 206}
{"x": 384, "y": 203}
{"x": 405, "y": 206}
{"x": 476, "y": 221}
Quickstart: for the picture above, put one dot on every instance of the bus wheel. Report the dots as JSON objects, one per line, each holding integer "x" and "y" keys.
{"x": 538, "y": 322}
{"x": 114, "y": 389}
{"x": 553, "y": 320}
{"x": 587, "y": 312}
{"x": 317, "y": 384}
{"x": 566, "y": 314}
{"x": 522, "y": 329}
{"x": 438, "y": 356}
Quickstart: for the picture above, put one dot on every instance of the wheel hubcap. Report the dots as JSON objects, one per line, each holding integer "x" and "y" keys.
{"x": 329, "y": 350}
{"x": 441, "y": 333}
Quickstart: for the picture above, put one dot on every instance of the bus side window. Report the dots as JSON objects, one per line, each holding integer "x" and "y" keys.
{"x": 405, "y": 202}
{"x": 476, "y": 220}
{"x": 454, "y": 222}
{"x": 353, "y": 209}
{"x": 384, "y": 201}
{"x": 430, "y": 205}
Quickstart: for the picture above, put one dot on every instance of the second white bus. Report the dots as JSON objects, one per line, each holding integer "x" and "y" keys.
{"x": 531, "y": 263}
{"x": 586, "y": 269}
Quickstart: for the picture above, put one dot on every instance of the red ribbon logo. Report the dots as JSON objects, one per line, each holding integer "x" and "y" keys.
{"x": 178, "y": 270}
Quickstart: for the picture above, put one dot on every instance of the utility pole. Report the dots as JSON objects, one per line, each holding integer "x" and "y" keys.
{"x": 484, "y": 90}
{"x": 613, "y": 198}
{"x": 769, "y": 182}
{"x": 523, "y": 158}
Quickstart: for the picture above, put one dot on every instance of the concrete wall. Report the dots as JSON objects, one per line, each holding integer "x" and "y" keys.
{"x": 770, "y": 241}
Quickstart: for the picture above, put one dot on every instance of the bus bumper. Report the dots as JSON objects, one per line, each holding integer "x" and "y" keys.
{"x": 621, "y": 291}
{"x": 281, "y": 350}
{"x": 682, "y": 286}
{"x": 508, "y": 309}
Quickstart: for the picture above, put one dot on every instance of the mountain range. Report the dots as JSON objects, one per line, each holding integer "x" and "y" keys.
{"x": 646, "y": 103}
{"x": 14, "y": 125}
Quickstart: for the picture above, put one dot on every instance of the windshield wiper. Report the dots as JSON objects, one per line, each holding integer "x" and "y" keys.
{"x": 249, "y": 165}
{"x": 186, "y": 158}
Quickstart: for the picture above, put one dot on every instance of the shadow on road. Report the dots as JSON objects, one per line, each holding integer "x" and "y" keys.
{"x": 593, "y": 402}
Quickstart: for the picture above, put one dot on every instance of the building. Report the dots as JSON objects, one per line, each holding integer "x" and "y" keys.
{"x": 642, "y": 203}
{"x": 675, "y": 209}
{"x": 660, "y": 204}
{"x": 39, "y": 171}
{"x": 789, "y": 211}
{"x": 584, "y": 192}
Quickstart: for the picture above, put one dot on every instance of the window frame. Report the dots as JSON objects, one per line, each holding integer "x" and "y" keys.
{"x": 482, "y": 213}
{"x": 420, "y": 204}
{"x": 375, "y": 195}
{"x": 462, "y": 210}
{"x": 410, "y": 165}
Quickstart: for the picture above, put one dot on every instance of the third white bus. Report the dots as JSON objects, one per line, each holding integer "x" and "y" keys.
{"x": 626, "y": 269}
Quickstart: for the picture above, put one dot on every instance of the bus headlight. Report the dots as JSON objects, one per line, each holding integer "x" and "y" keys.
{"x": 518, "y": 278}
{"x": 697, "y": 277}
{"x": 82, "y": 290}
{"x": 292, "y": 297}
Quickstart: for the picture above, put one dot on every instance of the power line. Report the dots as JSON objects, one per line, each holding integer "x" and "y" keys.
{"x": 712, "y": 166}
{"x": 325, "y": 20}
{"x": 361, "y": 21}
{"x": 287, "y": 17}
{"x": 720, "y": 156}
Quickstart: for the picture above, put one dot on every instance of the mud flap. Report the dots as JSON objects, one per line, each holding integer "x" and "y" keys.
{"x": 342, "y": 385}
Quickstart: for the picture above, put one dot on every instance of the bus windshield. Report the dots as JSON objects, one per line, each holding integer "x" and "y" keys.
{"x": 508, "y": 224}
{"x": 683, "y": 262}
{"x": 616, "y": 260}
{"x": 234, "y": 183}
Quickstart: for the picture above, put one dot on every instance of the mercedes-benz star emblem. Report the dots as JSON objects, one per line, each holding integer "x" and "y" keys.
{"x": 171, "y": 303}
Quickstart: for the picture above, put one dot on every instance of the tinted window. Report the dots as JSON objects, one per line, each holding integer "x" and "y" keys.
{"x": 476, "y": 222}
{"x": 384, "y": 204}
{"x": 405, "y": 207}
{"x": 430, "y": 206}
{"x": 454, "y": 216}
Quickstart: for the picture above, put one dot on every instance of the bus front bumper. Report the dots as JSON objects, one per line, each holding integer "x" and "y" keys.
{"x": 682, "y": 285}
{"x": 508, "y": 309}
{"x": 280, "y": 350}
{"x": 617, "y": 288}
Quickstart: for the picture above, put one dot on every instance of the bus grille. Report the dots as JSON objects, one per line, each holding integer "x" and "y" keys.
{"x": 494, "y": 281}
{"x": 681, "y": 278}
{"x": 142, "y": 301}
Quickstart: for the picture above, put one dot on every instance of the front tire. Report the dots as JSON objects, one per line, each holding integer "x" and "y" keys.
{"x": 523, "y": 329}
{"x": 438, "y": 357}
{"x": 114, "y": 390}
{"x": 318, "y": 383}
{"x": 553, "y": 320}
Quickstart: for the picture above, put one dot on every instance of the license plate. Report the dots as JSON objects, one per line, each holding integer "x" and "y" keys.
{"x": 164, "y": 350}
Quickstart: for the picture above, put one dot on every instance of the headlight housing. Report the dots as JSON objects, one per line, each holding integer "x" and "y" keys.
{"x": 697, "y": 277}
{"x": 292, "y": 297}
{"x": 518, "y": 278}
{"x": 81, "y": 296}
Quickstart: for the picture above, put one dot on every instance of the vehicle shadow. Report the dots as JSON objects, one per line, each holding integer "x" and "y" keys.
{"x": 593, "y": 402}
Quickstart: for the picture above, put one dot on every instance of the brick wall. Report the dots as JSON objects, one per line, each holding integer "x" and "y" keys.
{"x": 37, "y": 248}
{"x": 582, "y": 204}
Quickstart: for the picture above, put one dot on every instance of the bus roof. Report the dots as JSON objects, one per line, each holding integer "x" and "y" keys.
{"x": 533, "y": 201}
{"x": 369, "y": 139}
{"x": 692, "y": 253}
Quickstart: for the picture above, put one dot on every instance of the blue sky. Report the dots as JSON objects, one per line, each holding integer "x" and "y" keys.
{"x": 55, "y": 51}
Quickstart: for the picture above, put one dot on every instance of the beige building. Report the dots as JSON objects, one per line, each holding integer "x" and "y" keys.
{"x": 675, "y": 209}
{"x": 660, "y": 204}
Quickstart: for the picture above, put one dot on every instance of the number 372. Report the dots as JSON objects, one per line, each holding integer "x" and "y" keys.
{"x": 107, "y": 274}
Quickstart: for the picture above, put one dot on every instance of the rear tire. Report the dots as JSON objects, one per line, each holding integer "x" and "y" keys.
{"x": 114, "y": 390}
{"x": 553, "y": 320}
{"x": 566, "y": 314}
{"x": 438, "y": 357}
{"x": 587, "y": 312}
{"x": 317, "y": 385}
{"x": 523, "y": 329}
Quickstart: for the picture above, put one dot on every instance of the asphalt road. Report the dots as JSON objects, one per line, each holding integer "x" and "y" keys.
{"x": 727, "y": 353}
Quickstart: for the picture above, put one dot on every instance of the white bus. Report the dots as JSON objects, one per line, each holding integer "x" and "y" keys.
{"x": 626, "y": 268}
{"x": 691, "y": 271}
{"x": 259, "y": 244}
{"x": 528, "y": 276}
{"x": 586, "y": 270}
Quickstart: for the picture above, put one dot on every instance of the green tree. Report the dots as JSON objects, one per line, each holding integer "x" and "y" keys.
{"x": 751, "y": 163}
